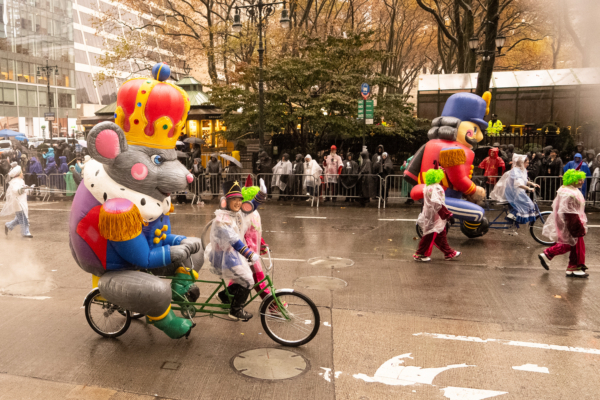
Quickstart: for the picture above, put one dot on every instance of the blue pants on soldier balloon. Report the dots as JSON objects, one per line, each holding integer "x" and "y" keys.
{"x": 462, "y": 209}
{"x": 20, "y": 219}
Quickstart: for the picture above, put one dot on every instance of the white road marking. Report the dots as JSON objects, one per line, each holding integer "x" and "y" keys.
{"x": 593, "y": 226}
{"x": 326, "y": 374}
{"x": 26, "y": 297}
{"x": 392, "y": 373}
{"x": 510, "y": 343}
{"x": 327, "y": 324}
{"x": 302, "y": 216}
{"x": 288, "y": 259}
{"x": 399, "y": 219}
{"x": 458, "y": 393}
{"x": 49, "y": 209}
{"x": 532, "y": 368}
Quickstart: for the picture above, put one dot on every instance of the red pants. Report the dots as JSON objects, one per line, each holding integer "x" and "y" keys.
{"x": 439, "y": 240}
{"x": 577, "y": 256}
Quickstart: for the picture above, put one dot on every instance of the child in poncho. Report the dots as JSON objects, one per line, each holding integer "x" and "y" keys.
{"x": 513, "y": 187}
{"x": 567, "y": 225}
{"x": 227, "y": 254}
{"x": 433, "y": 218}
{"x": 16, "y": 203}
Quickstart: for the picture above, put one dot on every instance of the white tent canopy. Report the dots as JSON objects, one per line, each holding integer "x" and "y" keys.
{"x": 513, "y": 79}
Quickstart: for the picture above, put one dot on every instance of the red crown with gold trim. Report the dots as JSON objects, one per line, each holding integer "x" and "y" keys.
{"x": 152, "y": 113}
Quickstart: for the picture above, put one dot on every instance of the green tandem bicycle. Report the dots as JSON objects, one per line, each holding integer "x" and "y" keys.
{"x": 288, "y": 317}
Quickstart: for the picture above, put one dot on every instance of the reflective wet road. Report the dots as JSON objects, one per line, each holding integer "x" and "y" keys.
{"x": 493, "y": 324}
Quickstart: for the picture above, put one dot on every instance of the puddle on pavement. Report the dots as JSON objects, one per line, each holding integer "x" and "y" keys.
{"x": 332, "y": 262}
{"x": 269, "y": 364}
{"x": 29, "y": 288}
{"x": 320, "y": 283}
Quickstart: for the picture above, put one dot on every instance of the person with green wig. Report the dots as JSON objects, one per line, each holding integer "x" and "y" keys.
{"x": 567, "y": 225}
{"x": 433, "y": 219}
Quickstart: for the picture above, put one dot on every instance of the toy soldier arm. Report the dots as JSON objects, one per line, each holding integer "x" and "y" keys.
{"x": 453, "y": 160}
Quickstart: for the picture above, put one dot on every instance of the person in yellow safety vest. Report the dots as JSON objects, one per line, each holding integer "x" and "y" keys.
{"x": 495, "y": 126}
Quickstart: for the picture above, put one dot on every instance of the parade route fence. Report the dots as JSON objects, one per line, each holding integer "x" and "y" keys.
{"x": 342, "y": 186}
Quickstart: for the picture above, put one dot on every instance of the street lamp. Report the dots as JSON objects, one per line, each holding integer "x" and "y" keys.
{"x": 261, "y": 11}
{"x": 47, "y": 71}
{"x": 474, "y": 45}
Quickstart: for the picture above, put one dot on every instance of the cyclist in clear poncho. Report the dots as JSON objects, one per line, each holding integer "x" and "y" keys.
{"x": 227, "y": 254}
{"x": 433, "y": 219}
{"x": 513, "y": 188}
{"x": 567, "y": 225}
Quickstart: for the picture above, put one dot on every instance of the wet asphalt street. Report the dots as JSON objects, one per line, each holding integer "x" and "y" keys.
{"x": 493, "y": 324}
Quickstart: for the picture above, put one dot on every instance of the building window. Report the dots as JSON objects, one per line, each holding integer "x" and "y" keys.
{"x": 86, "y": 92}
{"x": 23, "y": 72}
{"x": 32, "y": 98}
{"x": 9, "y": 97}
{"x": 80, "y": 57}
{"x": 66, "y": 100}
{"x": 7, "y": 71}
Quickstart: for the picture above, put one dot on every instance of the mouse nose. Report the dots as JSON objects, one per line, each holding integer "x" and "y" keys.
{"x": 190, "y": 178}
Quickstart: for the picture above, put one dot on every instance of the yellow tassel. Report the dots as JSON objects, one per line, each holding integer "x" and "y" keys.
{"x": 121, "y": 226}
{"x": 487, "y": 96}
{"x": 452, "y": 157}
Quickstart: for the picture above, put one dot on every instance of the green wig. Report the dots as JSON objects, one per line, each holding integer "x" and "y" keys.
{"x": 434, "y": 176}
{"x": 572, "y": 176}
{"x": 250, "y": 192}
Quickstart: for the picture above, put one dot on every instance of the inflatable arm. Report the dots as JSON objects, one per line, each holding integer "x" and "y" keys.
{"x": 453, "y": 160}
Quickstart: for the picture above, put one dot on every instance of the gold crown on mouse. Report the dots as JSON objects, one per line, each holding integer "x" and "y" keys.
{"x": 152, "y": 112}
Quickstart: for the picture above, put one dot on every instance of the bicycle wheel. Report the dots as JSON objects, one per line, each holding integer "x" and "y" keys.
{"x": 419, "y": 231}
{"x": 105, "y": 318}
{"x": 302, "y": 322}
{"x": 536, "y": 227}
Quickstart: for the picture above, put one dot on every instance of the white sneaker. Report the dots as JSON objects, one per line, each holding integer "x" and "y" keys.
{"x": 422, "y": 259}
{"x": 511, "y": 216}
{"x": 544, "y": 260}
{"x": 458, "y": 253}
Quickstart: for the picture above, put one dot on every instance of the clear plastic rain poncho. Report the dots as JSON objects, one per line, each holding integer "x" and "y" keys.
{"x": 15, "y": 201}
{"x": 433, "y": 199}
{"x": 223, "y": 260}
{"x": 509, "y": 189}
{"x": 569, "y": 200}
{"x": 283, "y": 168}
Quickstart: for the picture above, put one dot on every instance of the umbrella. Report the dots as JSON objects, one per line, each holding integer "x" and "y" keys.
{"x": 194, "y": 140}
{"x": 181, "y": 154}
{"x": 9, "y": 133}
{"x": 179, "y": 143}
{"x": 230, "y": 158}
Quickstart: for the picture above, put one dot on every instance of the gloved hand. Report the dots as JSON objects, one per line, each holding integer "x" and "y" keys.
{"x": 179, "y": 253}
{"x": 451, "y": 220}
{"x": 263, "y": 187}
{"x": 254, "y": 258}
{"x": 193, "y": 243}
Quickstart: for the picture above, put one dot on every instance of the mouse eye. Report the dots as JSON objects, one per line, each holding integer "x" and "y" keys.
{"x": 157, "y": 159}
{"x": 475, "y": 130}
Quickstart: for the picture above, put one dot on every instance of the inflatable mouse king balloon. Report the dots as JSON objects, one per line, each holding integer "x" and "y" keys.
{"x": 119, "y": 224}
{"x": 450, "y": 144}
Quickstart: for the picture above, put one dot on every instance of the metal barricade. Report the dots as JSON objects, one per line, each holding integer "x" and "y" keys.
{"x": 328, "y": 186}
{"x": 548, "y": 187}
{"x": 395, "y": 187}
{"x": 2, "y": 187}
{"x": 206, "y": 186}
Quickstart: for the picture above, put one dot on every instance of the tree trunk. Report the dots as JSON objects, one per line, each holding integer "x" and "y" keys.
{"x": 212, "y": 63}
{"x": 491, "y": 31}
{"x": 460, "y": 56}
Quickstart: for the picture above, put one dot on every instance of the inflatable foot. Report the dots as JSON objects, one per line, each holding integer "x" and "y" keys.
{"x": 183, "y": 286}
{"x": 475, "y": 229}
{"x": 174, "y": 326}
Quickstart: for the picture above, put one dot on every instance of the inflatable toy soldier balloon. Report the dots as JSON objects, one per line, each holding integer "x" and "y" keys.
{"x": 451, "y": 140}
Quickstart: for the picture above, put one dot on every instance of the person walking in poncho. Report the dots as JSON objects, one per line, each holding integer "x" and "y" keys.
{"x": 433, "y": 219}
{"x": 567, "y": 225}
{"x": 16, "y": 203}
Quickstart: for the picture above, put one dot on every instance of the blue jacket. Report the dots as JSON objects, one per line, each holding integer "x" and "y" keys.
{"x": 51, "y": 167}
{"x": 584, "y": 167}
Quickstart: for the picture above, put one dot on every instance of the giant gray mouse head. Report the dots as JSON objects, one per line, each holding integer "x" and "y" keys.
{"x": 154, "y": 172}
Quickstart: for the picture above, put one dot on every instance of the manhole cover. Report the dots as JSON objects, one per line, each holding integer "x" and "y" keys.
{"x": 320, "y": 282}
{"x": 353, "y": 228}
{"x": 333, "y": 262}
{"x": 29, "y": 288}
{"x": 269, "y": 364}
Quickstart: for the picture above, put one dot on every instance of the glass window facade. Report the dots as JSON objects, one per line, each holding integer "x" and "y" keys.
{"x": 33, "y": 34}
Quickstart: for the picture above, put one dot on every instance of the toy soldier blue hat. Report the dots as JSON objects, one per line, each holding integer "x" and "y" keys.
{"x": 468, "y": 107}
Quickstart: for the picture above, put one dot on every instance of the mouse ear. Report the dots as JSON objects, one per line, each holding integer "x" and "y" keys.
{"x": 105, "y": 142}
